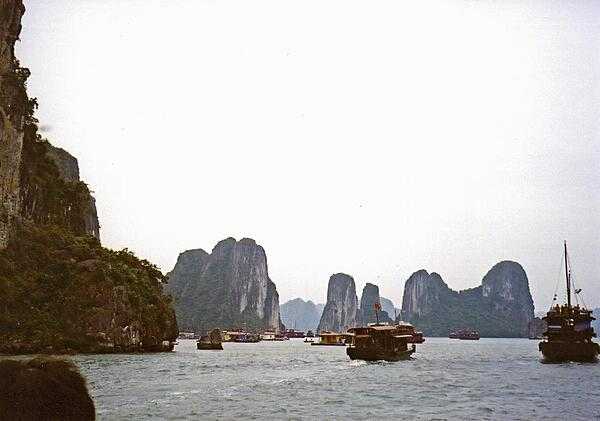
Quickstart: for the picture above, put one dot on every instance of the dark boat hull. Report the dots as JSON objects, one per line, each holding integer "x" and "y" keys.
{"x": 321, "y": 344}
{"x": 209, "y": 346}
{"x": 368, "y": 354}
{"x": 569, "y": 351}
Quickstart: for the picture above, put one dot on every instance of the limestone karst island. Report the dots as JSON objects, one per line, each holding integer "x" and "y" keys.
{"x": 263, "y": 210}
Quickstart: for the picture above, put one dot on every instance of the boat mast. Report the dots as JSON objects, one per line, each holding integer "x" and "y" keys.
{"x": 568, "y": 277}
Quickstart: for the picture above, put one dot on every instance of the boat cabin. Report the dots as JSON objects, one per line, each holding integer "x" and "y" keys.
{"x": 381, "y": 342}
{"x": 386, "y": 337}
{"x": 268, "y": 336}
{"x": 333, "y": 338}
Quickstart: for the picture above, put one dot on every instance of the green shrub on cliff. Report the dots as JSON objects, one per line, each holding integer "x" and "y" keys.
{"x": 61, "y": 292}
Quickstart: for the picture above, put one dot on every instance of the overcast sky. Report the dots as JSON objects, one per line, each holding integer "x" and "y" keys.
{"x": 372, "y": 138}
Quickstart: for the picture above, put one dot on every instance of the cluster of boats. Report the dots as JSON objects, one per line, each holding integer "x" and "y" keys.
{"x": 568, "y": 336}
{"x": 216, "y": 337}
{"x": 376, "y": 341}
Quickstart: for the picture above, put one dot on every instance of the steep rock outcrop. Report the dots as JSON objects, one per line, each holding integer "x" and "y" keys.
{"x": 388, "y": 306}
{"x": 60, "y": 290}
{"x": 502, "y": 306}
{"x": 423, "y": 292}
{"x": 341, "y": 311}
{"x": 229, "y": 288}
{"x": 68, "y": 169}
{"x": 11, "y": 117}
{"x": 370, "y": 296}
{"x": 301, "y": 315}
{"x": 189, "y": 264}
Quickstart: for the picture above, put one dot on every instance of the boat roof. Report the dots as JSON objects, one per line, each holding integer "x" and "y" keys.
{"x": 384, "y": 327}
{"x": 402, "y": 336}
{"x": 377, "y": 328}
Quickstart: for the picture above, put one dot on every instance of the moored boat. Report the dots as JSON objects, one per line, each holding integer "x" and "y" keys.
{"x": 570, "y": 332}
{"x": 332, "y": 339}
{"x": 465, "y": 334}
{"x": 241, "y": 337}
{"x": 247, "y": 338}
{"x": 268, "y": 336}
{"x": 292, "y": 333}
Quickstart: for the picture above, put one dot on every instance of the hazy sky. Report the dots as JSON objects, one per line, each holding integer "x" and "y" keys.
{"x": 372, "y": 138}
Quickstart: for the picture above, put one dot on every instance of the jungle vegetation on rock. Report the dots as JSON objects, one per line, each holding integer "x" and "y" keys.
{"x": 60, "y": 290}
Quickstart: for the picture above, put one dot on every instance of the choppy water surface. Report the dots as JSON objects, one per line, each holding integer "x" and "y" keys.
{"x": 447, "y": 379}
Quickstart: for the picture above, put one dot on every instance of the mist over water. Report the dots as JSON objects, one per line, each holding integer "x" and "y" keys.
{"x": 447, "y": 379}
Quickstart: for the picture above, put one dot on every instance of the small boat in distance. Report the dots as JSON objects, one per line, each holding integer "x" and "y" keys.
{"x": 292, "y": 333}
{"x": 570, "y": 332}
{"x": 268, "y": 336}
{"x": 332, "y": 339}
{"x": 212, "y": 341}
{"x": 247, "y": 338}
{"x": 187, "y": 335}
{"x": 465, "y": 334}
{"x": 310, "y": 334}
{"x": 241, "y": 337}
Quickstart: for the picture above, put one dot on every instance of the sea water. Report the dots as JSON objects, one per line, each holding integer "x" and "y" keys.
{"x": 447, "y": 379}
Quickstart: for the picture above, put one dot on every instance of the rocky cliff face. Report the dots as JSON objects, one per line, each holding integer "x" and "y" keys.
{"x": 423, "y": 293}
{"x": 68, "y": 169}
{"x": 229, "y": 288}
{"x": 37, "y": 181}
{"x": 301, "y": 315}
{"x": 11, "y": 117}
{"x": 388, "y": 306}
{"x": 60, "y": 290}
{"x": 502, "y": 306}
{"x": 370, "y": 296}
{"x": 341, "y": 311}
{"x": 505, "y": 290}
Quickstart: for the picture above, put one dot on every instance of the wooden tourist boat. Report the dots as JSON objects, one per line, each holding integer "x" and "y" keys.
{"x": 380, "y": 342}
{"x": 332, "y": 339}
{"x": 570, "y": 332}
{"x": 293, "y": 333}
{"x": 465, "y": 334}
